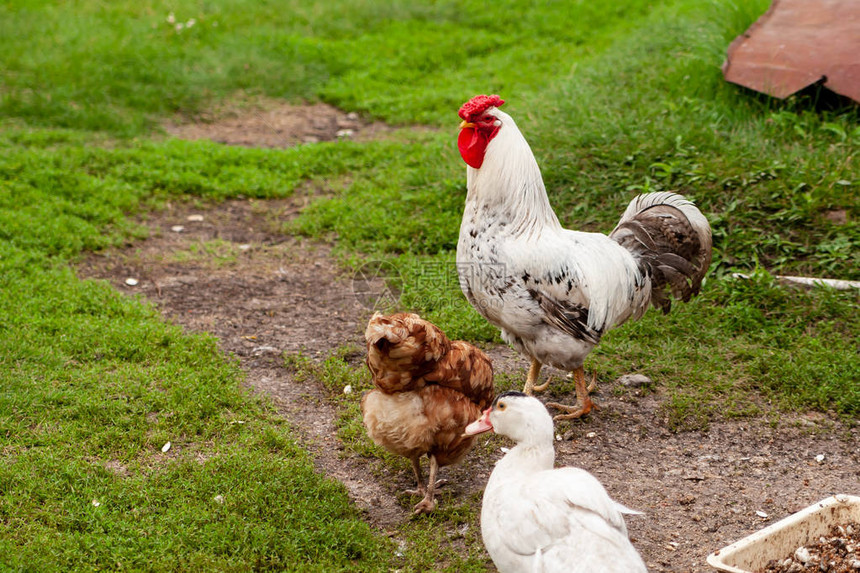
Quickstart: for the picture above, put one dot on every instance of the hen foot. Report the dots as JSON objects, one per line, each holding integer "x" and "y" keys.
{"x": 423, "y": 491}
{"x": 426, "y": 505}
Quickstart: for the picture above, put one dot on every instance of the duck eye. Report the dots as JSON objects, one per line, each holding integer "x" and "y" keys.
{"x": 501, "y": 405}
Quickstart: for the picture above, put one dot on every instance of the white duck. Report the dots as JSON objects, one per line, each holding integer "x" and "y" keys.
{"x": 538, "y": 519}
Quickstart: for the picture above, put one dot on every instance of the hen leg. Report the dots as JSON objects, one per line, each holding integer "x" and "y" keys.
{"x": 428, "y": 504}
{"x": 530, "y": 387}
{"x": 421, "y": 490}
{"x": 416, "y": 469}
{"x": 584, "y": 405}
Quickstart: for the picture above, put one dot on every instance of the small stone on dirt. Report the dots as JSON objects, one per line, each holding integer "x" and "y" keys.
{"x": 802, "y": 555}
{"x": 177, "y": 228}
{"x": 195, "y": 218}
{"x": 634, "y": 380}
{"x": 260, "y": 350}
{"x": 131, "y": 282}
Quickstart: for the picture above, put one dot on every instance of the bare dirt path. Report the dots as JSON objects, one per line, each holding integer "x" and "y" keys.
{"x": 231, "y": 272}
{"x": 261, "y": 122}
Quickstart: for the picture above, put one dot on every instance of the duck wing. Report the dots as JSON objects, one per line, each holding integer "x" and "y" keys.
{"x": 563, "y": 520}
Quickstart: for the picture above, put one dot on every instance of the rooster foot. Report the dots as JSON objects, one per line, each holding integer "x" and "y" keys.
{"x": 573, "y": 412}
{"x": 592, "y": 386}
{"x": 426, "y": 505}
{"x": 540, "y": 387}
{"x": 534, "y": 371}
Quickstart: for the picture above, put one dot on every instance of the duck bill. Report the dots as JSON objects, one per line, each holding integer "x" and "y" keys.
{"x": 480, "y": 425}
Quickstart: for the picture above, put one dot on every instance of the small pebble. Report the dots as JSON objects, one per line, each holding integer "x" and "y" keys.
{"x": 260, "y": 350}
{"x": 761, "y": 514}
{"x": 166, "y": 447}
{"x": 177, "y": 228}
{"x": 347, "y": 389}
{"x": 802, "y": 555}
{"x": 244, "y": 247}
{"x": 96, "y": 503}
{"x": 131, "y": 282}
{"x": 819, "y": 458}
{"x": 591, "y": 435}
{"x": 195, "y": 218}
{"x": 218, "y": 499}
{"x": 634, "y": 380}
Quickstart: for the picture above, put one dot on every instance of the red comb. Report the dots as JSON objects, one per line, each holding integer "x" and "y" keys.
{"x": 478, "y": 105}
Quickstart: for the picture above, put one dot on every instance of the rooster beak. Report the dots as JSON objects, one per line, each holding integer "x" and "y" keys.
{"x": 464, "y": 124}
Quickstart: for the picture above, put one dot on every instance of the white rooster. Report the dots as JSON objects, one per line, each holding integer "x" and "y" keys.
{"x": 536, "y": 518}
{"x": 554, "y": 292}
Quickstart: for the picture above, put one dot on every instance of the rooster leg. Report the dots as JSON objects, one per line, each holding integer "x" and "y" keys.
{"x": 530, "y": 387}
{"x": 584, "y": 405}
{"x": 428, "y": 504}
{"x": 416, "y": 469}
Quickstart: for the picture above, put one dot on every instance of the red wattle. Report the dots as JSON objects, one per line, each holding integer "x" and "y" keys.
{"x": 472, "y": 144}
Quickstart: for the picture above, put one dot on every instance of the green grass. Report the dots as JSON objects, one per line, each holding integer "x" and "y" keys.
{"x": 614, "y": 101}
{"x": 92, "y": 382}
{"x": 341, "y": 370}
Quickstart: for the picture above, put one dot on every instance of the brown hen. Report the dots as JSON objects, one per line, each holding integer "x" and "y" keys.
{"x": 428, "y": 389}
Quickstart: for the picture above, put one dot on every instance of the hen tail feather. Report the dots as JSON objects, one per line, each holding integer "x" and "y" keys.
{"x": 671, "y": 241}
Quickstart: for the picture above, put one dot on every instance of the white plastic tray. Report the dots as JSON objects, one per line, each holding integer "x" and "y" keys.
{"x": 780, "y": 540}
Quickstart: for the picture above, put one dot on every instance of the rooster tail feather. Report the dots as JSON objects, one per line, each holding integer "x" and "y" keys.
{"x": 671, "y": 241}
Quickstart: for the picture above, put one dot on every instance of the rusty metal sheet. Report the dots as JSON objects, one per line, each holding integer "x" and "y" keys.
{"x": 797, "y": 43}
